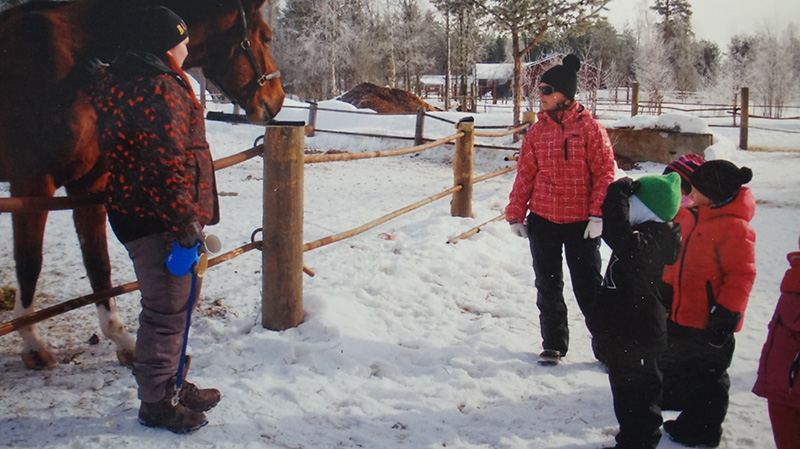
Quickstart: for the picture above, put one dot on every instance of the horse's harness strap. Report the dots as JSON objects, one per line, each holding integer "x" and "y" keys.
{"x": 259, "y": 80}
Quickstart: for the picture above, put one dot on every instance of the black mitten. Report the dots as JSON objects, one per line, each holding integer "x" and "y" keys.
{"x": 721, "y": 325}
{"x": 717, "y": 338}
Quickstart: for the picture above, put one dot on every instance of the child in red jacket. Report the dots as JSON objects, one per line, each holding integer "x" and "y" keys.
{"x": 711, "y": 283}
{"x": 780, "y": 361}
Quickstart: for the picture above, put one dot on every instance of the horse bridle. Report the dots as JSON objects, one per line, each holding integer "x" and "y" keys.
{"x": 259, "y": 80}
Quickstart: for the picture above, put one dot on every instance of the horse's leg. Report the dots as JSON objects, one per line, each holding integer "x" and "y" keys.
{"x": 28, "y": 237}
{"x": 90, "y": 223}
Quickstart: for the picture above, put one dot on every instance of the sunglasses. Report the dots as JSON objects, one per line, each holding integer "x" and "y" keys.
{"x": 546, "y": 90}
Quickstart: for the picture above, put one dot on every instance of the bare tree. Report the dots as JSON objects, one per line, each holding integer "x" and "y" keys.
{"x": 653, "y": 69}
{"x": 770, "y": 75}
{"x": 463, "y": 19}
{"x": 410, "y": 41}
{"x": 528, "y": 20}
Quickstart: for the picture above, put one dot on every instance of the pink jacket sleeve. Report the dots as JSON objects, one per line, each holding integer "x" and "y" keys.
{"x": 527, "y": 168}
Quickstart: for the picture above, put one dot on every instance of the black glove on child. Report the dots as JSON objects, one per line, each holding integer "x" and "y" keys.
{"x": 626, "y": 186}
{"x": 721, "y": 325}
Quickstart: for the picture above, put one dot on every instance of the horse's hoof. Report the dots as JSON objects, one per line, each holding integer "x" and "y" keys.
{"x": 39, "y": 359}
{"x": 126, "y": 357}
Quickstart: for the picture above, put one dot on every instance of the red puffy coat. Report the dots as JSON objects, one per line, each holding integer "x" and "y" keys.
{"x": 717, "y": 261}
{"x": 564, "y": 168}
{"x": 780, "y": 358}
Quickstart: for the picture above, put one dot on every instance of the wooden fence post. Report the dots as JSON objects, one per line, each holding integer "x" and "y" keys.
{"x": 745, "y": 118}
{"x": 635, "y": 100}
{"x": 282, "y": 247}
{"x": 420, "y": 128}
{"x": 463, "y": 167}
{"x": 312, "y": 118}
{"x": 528, "y": 117}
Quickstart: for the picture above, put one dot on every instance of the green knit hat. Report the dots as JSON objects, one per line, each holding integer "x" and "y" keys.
{"x": 661, "y": 194}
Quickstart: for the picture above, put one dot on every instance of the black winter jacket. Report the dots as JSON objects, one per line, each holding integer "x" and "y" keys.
{"x": 629, "y": 318}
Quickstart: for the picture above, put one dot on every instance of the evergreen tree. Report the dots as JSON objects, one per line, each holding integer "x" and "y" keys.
{"x": 496, "y": 52}
{"x": 677, "y": 35}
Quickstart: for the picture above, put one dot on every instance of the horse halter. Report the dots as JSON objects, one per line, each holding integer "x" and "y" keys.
{"x": 259, "y": 80}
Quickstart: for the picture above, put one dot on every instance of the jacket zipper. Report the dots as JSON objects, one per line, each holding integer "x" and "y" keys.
{"x": 685, "y": 246}
{"x": 793, "y": 371}
{"x": 566, "y": 154}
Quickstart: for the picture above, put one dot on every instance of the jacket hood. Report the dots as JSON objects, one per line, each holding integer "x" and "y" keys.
{"x": 791, "y": 281}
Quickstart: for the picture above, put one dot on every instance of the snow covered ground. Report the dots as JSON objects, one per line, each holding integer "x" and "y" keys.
{"x": 407, "y": 341}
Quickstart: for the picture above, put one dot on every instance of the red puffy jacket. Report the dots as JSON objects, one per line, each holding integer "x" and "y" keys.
{"x": 780, "y": 358}
{"x": 564, "y": 168}
{"x": 717, "y": 261}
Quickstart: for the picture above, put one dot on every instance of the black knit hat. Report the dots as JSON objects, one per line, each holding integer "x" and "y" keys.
{"x": 157, "y": 30}
{"x": 564, "y": 77}
{"x": 719, "y": 180}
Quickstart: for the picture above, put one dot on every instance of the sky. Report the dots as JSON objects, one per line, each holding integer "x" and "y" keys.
{"x": 408, "y": 342}
{"x": 718, "y": 20}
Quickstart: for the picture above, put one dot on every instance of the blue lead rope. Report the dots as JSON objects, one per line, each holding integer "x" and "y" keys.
{"x": 180, "y": 262}
{"x": 182, "y": 362}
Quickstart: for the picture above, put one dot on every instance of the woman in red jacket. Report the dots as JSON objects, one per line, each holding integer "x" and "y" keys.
{"x": 565, "y": 166}
{"x": 780, "y": 361}
{"x": 161, "y": 189}
{"x": 711, "y": 283}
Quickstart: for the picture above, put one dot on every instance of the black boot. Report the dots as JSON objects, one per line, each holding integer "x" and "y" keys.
{"x": 177, "y": 418}
{"x": 690, "y": 437}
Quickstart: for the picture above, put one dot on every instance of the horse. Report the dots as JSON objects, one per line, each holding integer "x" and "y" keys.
{"x": 48, "y": 132}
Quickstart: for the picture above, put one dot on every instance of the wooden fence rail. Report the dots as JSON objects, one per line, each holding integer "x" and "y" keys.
{"x": 282, "y": 292}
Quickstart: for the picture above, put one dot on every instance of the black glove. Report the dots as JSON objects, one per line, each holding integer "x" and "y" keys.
{"x": 721, "y": 325}
{"x": 189, "y": 235}
{"x": 626, "y": 186}
{"x": 717, "y": 338}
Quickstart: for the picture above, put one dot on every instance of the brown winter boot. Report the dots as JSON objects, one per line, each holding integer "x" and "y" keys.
{"x": 199, "y": 399}
{"x": 194, "y": 398}
{"x": 177, "y": 418}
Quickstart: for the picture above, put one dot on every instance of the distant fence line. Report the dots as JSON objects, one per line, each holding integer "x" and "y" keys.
{"x": 738, "y": 111}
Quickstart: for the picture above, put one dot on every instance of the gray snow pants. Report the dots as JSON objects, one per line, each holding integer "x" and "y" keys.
{"x": 162, "y": 320}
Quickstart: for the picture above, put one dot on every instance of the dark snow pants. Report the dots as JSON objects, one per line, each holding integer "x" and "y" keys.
{"x": 583, "y": 259}
{"x": 696, "y": 379}
{"x": 636, "y": 387}
{"x": 162, "y": 320}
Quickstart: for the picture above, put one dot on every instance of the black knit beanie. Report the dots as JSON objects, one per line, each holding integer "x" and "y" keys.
{"x": 719, "y": 180}
{"x": 157, "y": 30}
{"x": 564, "y": 77}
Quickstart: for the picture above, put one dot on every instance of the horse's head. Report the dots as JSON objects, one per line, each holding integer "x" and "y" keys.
{"x": 232, "y": 47}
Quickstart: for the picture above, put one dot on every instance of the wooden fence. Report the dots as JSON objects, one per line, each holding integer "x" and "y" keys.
{"x": 282, "y": 246}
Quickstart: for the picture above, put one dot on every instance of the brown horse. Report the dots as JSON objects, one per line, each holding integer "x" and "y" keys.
{"x": 48, "y": 135}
